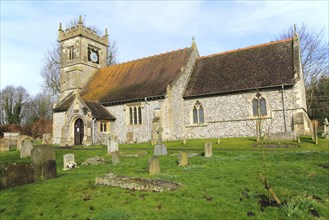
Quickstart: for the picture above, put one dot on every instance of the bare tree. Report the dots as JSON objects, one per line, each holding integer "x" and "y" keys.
{"x": 314, "y": 51}
{"x": 13, "y": 101}
{"x": 38, "y": 107}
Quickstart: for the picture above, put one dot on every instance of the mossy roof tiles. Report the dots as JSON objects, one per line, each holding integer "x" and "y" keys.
{"x": 260, "y": 66}
{"x": 146, "y": 77}
{"x": 98, "y": 111}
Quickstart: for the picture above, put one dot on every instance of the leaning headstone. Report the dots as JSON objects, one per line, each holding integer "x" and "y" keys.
{"x": 160, "y": 148}
{"x": 27, "y": 146}
{"x": 48, "y": 169}
{"x": 68, "y": 159}
{"x": 112, "y": 144}
{"x": 40, "y": 154}
{"x": 154, "y": 165}
{"x": 208, "y": 149}
{"x": 46, "y": 138}
{"x": 115, "y": 157}
{"x": 4, "y": 145}
{"x": 183, "y": 159}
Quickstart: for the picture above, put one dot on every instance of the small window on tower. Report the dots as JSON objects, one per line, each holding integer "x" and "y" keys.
{"x": 93, "y": 55}
{"x": 71, "y": 53}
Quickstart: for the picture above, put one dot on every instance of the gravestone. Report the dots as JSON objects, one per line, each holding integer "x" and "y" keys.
{"x": 27, "y": 146}
{"x": 4, "y": 145}
{"x": 40, "y": 154}
{"x": 67, "y": 160}
{"x": 130, "y": 138}
{"x": 15, "y": 174}
{"x": 48, "y": 169}
{"x": 46, "y": 138}
{"x": 208, "y": 149}
{"x": 325, "y": 133}
{"x": 112, "y": 144}
{"x": 218, "y": 141}
{"x": 115, "y": 157}
{"x": 160, "y": 148}
{"x": 184, "y": 141}
{"x": 154, "y": 165}
{"x": 13, "y": 139}
{"x": 93, "y": 161}
{"x": 183, "y": 159}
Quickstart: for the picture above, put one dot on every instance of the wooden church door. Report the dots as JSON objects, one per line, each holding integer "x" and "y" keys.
{"x": 78, "y": 132}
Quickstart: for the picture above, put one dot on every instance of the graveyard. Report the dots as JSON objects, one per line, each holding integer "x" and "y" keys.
{"x": 187, "y": 179}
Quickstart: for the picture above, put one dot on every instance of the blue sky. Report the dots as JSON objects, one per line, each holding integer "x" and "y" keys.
{"x": 144, "y": 28}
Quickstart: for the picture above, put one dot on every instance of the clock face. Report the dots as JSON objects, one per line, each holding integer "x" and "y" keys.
{"x": 94, "y": 57}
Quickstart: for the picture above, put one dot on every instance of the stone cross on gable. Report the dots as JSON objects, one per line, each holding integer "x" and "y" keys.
{"x": 159, "y": 131}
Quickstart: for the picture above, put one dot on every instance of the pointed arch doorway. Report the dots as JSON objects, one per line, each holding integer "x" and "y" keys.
{"x": 78, "y": 132}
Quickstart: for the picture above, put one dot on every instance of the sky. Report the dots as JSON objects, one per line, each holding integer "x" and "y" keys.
{"x": 143, "y": 28}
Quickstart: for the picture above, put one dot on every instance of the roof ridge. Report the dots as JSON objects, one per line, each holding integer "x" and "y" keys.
{"x": 148, "y": 57}
{"x": 246, "y": 48}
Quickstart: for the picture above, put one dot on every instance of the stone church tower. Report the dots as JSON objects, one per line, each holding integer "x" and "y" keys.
{"x": 83, "y": 52}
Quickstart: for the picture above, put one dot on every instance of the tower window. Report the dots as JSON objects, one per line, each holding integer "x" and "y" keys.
{"x": 71, "y": 53}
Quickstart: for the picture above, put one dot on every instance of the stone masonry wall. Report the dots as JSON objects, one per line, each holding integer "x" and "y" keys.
{"x": 231, "y": 115}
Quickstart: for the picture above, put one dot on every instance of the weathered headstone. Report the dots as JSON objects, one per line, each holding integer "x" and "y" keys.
{"x": 154, "y": 165}
{"x": 208, "y": 149}
{"x": 67, "y": 160}
{"x": 20, "y": 141}
{"x": 183, "y": 158}
{"x": 40, "y": 154}
{"x": 27, "y": 146}
{"x": 46, "y": 138}
{"x": 93, "y": 161}
{"x": 130, "y": 138}
{"x": 112, "y": 144}
{"x": 12, "y": 137}
{"x": 325, "y": 133}
{"x": 4, "y": 145}
{"x": 15, "y": 174}
{"x": 160, "y": 148}
{"x": 184, "y": 141}
{"x": 316, "y": 134}
{"x": 48, "y": 169}
{"x": 115, "y": 157}
{"x": 218, "y": 141}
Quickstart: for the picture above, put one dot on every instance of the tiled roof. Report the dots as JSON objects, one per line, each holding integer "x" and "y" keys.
{"x": 260, "y": 66}
{"x": 98, "y": 111}
{"x": 64, "y": 104}
{"x": 146, "y": 77}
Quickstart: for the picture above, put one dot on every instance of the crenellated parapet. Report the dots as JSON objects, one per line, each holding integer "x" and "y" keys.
{"x": 81, "y": 30}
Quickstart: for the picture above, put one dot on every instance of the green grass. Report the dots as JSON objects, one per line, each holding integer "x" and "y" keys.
{"x": 225, "y": 186}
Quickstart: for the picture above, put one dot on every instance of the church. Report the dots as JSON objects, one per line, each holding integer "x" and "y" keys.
{"x": 229, "y": 94}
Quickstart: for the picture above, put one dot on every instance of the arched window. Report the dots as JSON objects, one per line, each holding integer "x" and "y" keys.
{"x": 135, "y": 115}
{"x": 198, "y": 113}
{"x": 131, "y": 115}
{"x": 259, "y": 104}
{"x": 139, "y": 115}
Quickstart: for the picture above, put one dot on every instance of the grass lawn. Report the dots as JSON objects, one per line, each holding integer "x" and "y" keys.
{"x": 225, "y": 186}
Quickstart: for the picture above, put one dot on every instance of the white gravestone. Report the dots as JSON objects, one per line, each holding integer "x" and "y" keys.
{"x": 112, "y": 144}
{"x": 68, "y": 161}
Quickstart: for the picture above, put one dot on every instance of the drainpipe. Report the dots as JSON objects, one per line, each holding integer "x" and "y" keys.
{"x": 148, "y": 119}
{"x": 284, "y": 110}
{"x": 93, "y": 127}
